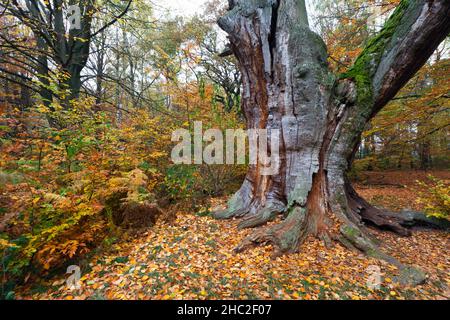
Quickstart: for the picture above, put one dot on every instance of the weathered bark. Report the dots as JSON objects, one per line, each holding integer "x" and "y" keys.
{"x": 287, "y": 85}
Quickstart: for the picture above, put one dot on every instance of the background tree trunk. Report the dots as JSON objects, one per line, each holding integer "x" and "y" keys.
{"x": 287, "y": 85}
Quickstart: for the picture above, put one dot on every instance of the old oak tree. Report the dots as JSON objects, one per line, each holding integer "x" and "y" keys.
{"x": 287, "y": 85}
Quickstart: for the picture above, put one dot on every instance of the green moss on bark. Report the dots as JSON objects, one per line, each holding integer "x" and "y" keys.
{"x": 367, "y": 63}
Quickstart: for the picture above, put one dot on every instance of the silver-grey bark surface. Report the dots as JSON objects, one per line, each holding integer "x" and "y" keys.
{"x": 288, "y": 86}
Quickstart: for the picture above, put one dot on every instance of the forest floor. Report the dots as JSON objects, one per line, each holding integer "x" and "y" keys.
{"x": 193, "y": 259}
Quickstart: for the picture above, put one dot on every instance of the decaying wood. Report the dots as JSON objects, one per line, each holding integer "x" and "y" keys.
{"x": 288, "y": 86}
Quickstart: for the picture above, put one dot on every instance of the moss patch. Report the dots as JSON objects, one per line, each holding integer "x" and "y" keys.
{"x": 367, "y": 63}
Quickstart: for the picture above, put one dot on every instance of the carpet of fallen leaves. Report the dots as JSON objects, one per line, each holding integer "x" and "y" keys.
{"x": 193, "y": 259}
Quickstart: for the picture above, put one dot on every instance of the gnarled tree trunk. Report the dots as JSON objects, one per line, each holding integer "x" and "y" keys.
{"x": 287, "y": 85}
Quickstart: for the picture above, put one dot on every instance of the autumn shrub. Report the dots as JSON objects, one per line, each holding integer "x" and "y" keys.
{"x": 56, "y": 183}
{"x": 197, "y": 182}
{"x": 435, "y": 197}
{"x": 222, "y": 179}
{"x": 194, "y": 185}
{"x": 69, "y": 189}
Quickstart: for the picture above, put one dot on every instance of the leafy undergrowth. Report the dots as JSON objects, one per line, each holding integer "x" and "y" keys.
{"x": 193, "y": 259}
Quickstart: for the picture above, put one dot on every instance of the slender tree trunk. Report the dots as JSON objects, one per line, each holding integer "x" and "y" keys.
{"x": 43, "y": 76}
{"x": 100, "y": 69}
{"x": 424, "y": 150}
{"x": 287, "y": 85}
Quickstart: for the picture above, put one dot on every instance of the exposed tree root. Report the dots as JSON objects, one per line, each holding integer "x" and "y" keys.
{"x": 352, "y": 237}
{"x": 239, "y": 204}
{"x": 387, "y": 220}
{"x": 235, "y": 209}
{"x": 263, "y": 215}
{"x": 415, "y": 218}
{"x": 286, "y": 237}
{"x": 372, "y": 215}
{"x": 356, "y": 238}
{"x": 230, "y": 213}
